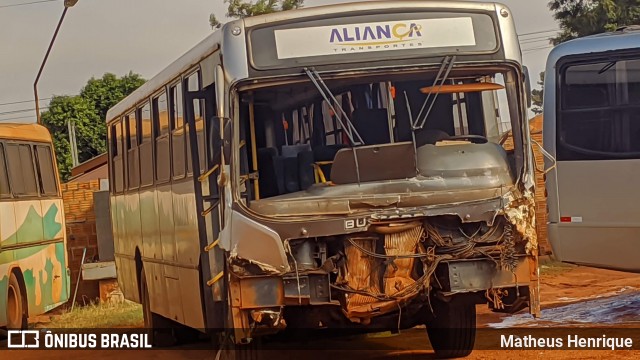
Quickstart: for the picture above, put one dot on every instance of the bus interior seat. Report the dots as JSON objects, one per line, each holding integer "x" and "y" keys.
{"x": 372, "y": 125}
{"x": 326, "y": 153}
{"x": 306, "y": 176}
{"x": 268, "y": 177}
{"x": 430, "y": 136}
{"x": 291, "y": 173}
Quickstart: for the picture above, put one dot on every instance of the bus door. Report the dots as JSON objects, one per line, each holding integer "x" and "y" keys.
{"x": 204, "y": 135}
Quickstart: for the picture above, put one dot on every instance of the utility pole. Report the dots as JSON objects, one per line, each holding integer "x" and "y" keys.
{"x": 67, "y": 5}
{"x": 72, "y": 143}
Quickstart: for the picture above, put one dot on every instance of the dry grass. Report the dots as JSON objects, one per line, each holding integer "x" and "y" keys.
{"x": 124, "y": 315}
{"x": 552, "y": 267}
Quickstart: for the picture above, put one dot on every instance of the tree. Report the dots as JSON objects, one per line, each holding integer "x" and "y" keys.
{"x": 579, "y": 18}
{"x": 538, "y": 95}
{"x": 87, "y": 112}
{"x": 239, "y": 9}
{"x": 107, "y": 91}
{"x": 90, "y": 131}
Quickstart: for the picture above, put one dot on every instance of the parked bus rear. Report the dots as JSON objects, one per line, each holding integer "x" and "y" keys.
{"x": 34, "y": 277}
{"x": 592, "y": 128}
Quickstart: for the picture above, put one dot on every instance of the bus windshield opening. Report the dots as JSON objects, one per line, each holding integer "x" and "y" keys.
{"x": 331, "y": 144}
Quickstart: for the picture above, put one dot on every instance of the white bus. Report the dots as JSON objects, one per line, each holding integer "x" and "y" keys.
{"x": 335, "y": 167}
{"x": 592, "y": 128}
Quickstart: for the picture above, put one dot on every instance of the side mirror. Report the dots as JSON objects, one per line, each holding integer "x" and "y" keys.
{"x": 220, "y": 92}
{"x": 527, "y": 86}
{"x": 222, "y": 125}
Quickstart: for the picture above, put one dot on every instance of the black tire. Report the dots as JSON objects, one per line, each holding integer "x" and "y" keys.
{"x": 16, "y": 309}
{"x": 229, "y": 350}
{"x": 452, "y": 328}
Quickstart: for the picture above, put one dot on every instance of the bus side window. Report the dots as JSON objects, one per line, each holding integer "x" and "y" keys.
{"x": 46, "y": 174}
{"x": 146, "y": 147}
{"x": 177, "y": 132}
{"x": 22, "y": 175}
{"x": 5, "y": 192}
{"x": 161, "y": 136}
{"x": 117, "y": 175}
{"x": 133, "y": 160}
{"x": 193, "y": 84}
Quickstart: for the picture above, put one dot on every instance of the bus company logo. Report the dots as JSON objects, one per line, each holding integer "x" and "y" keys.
{"x": 34, "y": 339}
{"x": 375, "y": 35}
{"x": 23, "y": 339}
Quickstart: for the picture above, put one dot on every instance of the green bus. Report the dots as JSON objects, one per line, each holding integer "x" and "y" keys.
{"x": 34, "y": 277}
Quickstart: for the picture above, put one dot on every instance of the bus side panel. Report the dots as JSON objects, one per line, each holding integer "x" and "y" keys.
{"x": 150, "y": 226}
{"x": 8, "y": 236}
{"x": 127, "y": 275}
{"x": 606, "y": 235}
{"x": 29, "y": 219}
{"x": 152, "y": 253}
{"x": 53, "y": 224}
{"x": 188, "y": 253}
{"x": 43, "y": 267}
{"x": 167, "y": 235}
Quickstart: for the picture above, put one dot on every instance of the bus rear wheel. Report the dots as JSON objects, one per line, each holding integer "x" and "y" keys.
{"x": 452, "y": 328}
{"x": 16, "y": 311}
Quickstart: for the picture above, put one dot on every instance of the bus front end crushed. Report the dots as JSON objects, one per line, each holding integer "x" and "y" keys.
{"x": 392, "y": 254}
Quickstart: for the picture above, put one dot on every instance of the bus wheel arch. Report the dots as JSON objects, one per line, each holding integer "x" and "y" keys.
{"x": 17, "y": 303}
{"x": 138, "y": 262}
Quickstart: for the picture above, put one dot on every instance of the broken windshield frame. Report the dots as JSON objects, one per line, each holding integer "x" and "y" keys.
{"x": 281, "y": 96}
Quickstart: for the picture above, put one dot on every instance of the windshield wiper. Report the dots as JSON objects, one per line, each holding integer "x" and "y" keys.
{"x": 350, "y": 128}
{"x": 445, "y": 67}
{"x": 607, "y": 67}
{"x": 328, "y": 96}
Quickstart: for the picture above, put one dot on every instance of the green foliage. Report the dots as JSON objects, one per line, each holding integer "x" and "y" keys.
{"x": 538, "y": 95}
{"x": 579, "y": 18}
{"x": 88, "y": 112}
{"x": 239, "y": 9}
{"x": 107, "y": 91}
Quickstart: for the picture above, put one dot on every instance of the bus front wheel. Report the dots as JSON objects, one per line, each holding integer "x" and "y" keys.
{"x": 16, "y": 310}
{"x": 452, "y": 328}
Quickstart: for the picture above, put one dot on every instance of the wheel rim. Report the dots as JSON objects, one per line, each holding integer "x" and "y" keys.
{"x": 13, "y": 308}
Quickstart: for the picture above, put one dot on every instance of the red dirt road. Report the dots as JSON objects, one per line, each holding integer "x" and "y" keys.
{"x": 566, "y": 298}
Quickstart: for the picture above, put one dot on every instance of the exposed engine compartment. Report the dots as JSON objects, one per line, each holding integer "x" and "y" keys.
{"x": 379, "y": 271}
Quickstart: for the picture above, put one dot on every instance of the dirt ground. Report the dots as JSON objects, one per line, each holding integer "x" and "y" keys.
{"x": 576, "y": 297}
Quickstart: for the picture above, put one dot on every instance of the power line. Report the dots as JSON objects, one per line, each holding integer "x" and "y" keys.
{"x": 539, "y": 32}
{"x": 20, "y": 111}
{"x": 537, "y": 49}
{"x": 537, "y": 37}
{"x": 22, "y": 102}
{"x": 19, "y": 118}
{"x": 27, "y": 3}
{"x": 534, "y": 41}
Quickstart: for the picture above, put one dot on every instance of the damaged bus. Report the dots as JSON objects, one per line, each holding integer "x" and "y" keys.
{"x": 591, "y": 128}
{"x": 336, "y": 167}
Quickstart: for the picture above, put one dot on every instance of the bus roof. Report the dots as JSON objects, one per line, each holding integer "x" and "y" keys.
{"x": 27, "y": 132}
{"x": 625, "y": 38}
{"x": 348, "y": 7}
{"x": 212, "y": 42}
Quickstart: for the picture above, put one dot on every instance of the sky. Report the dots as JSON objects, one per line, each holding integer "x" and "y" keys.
{"x": 144, "y": 36}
